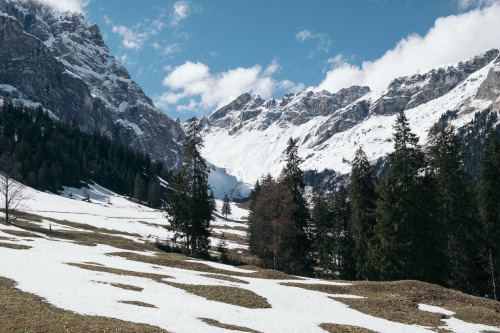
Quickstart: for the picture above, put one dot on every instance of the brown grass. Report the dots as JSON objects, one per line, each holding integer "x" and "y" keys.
{"x": 225, "y": 278}
{"x": 137, "y": 303}
{"x": 213, "y": 322}
{"x": 15, "y": 246}
{"x": 179, "y": 261}
{"x": 336, "y": 328}
{"x": 230, "y": 295}
{"x": 126, "y": 286}
{"x": 22, "y": 312}
{"x": 152, "y": 276}
{"x": 398, "y": 301}
{"x": 20, "y": 233}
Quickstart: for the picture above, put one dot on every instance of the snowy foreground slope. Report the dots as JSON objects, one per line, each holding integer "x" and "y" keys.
{"x": 75, "y": 276}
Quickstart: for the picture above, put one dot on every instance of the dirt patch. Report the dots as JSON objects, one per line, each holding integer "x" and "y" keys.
{"x": 225, "y": 278}
{"x": 230, "y": 295}
{"x": 398, "y": 301}
{"x": 146, "y": 305}
{"x": 152, "y": 276}
{"x": 15, "y": 246}
{"x": 336, "y": 328}
{"x": 213, "y": 322}
{"x": 24, "y": 312}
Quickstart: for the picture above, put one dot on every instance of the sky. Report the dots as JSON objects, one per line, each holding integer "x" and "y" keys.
{"x": 192, "y": 56}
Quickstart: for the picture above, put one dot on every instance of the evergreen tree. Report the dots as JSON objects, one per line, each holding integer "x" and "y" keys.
{"x": 190, "y": 209}
{"x": 401, "y": 210}
{"x": 324, "y": 238}
{"x": 226, "y": 207}
{"x": 340, "y": 210}
{"x": 154, "y": 194}
{"x": 362, "y": 200}
{"x": 222, "y": 248}
{"x": 489, "y": 209}
{"x": 292, "y": 177}
{"x": 213, "y": 204}
{"x": 456, "y": 214}
{"x": 140, "y": 189}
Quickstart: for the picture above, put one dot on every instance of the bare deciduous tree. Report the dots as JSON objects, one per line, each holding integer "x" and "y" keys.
{"x": 11, "y": 192}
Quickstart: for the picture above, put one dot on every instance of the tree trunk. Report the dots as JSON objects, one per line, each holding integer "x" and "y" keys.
{"x": 492, "y": 270}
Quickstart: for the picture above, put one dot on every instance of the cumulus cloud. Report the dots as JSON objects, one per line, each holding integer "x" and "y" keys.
{"x": 181, "y": 11}
{"x": 451, "y": 39}
{"x": 66, "y": 5}
{"x": 192, "y": 85}
{"x": 322, "y": 40}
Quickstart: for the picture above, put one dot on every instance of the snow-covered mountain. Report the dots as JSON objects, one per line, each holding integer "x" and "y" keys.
{"x": 57, "y": 61}
{"x": 248, "y": 137}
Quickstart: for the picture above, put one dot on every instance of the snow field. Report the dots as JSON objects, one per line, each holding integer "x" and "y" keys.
{"x": 44, "y": 270}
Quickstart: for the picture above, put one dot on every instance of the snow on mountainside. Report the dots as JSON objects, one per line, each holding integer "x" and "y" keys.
{"x": 248, "y": 137}
{"x": 58, "y": 61}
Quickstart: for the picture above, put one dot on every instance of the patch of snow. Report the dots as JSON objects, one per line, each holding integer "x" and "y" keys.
{"x": 459, "y": 326}
{"x": 435, "y": 309}
{"x": 125, "y": 123}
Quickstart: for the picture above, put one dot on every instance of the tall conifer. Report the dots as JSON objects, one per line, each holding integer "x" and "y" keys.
{"x": 489, "y": 209}
{"x": 190, "y": 209}
{"x": 361, "y": 222}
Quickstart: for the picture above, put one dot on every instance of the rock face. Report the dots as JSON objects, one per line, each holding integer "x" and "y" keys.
{"x": 328, "y": 128}
{"x": 58, "y": 61}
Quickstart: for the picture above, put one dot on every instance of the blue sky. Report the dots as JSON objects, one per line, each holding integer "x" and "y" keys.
{"x": 193, "y": 56}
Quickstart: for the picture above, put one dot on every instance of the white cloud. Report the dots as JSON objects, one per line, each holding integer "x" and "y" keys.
{"x": 66, "y": 5}
{"x": 135, "y": 37}
{"x": 464, "y": 4}
{"x": 181, "y": 11}
{"x": 322, "y": 39}
{"x": 193, "y": 83}
{"x": 173, "y": 48}
{"x": 451, "y": 39}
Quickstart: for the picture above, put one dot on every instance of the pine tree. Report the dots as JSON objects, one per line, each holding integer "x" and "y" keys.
{"x": 190, "y": 208}
{"x": 400, "y": 214}
{"x": 455, "y": 212}
{"x": 154, "y": 194}
{"x": 362, "y": 200}
{"x": 489, "y": 209}
{"x": 292, "y": 177}
{"x": 213, "y": 204}
{"x": 226, "y": 207}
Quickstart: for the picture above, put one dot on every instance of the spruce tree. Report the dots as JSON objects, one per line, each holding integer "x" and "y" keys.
{"x": 361, "y": 222}
{"x": 190, "y": 209}
{"x": 324, "y": 235}
{"x": 489, "y": 209}
{"x": 340, "y": 211}
{"x": 455, "y": 212}
{"x": 226, "y": 207}
{"x": 400, "y": 212}
{"x": 292, "y": 177}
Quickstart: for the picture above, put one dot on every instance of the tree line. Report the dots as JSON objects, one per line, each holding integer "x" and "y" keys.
{"x": 423, "y": 219}
{"x": 52, "y": 154}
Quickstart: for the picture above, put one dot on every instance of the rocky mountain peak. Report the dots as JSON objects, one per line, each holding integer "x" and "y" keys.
{"x": 60, "y": 62}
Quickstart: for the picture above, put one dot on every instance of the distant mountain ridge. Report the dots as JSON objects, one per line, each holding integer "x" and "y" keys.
{"x": 329, "y": 127}
{"x": 61, "y": 63}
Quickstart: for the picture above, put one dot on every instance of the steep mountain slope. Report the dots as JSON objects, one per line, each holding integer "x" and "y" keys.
{"x": 248, "y": 137}
{"x": 61, "y": 63}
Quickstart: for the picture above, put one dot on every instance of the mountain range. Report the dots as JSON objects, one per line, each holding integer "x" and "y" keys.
{"x": 59, "y": 62}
